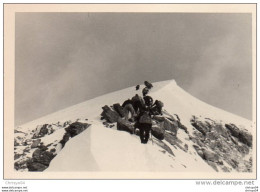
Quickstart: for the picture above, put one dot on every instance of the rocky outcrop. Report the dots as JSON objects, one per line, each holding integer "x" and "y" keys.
{"x": 42, "y": 156}
{"x": 76, "y": 128}
{"x": 42, "y": 130}
{"x": 210, "y": 155}
{"x": 234, "y": 130}
{"x": 40, "y": 160}
{"x": 109, "y": 115}
{"x": 124, "y": 125}
{"x": 36, "y": 143}
{"x": 245, "y": 138}
{"x": 164, "y": 146}
{"x": 201, "y": 127}
{"x": 158, "y": 132}
{"x": 35, "y": 166}
{"x": 119, "y": 109}
{"x": 16, "y": 143}
{"x": 217, "y": 143}
{"x": 65, "y": 138}
{"x": 171, "y": 126}
{"x": 72, "y": 130}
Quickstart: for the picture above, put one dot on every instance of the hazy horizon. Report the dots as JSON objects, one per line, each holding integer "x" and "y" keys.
{"x": 63, "y": 59}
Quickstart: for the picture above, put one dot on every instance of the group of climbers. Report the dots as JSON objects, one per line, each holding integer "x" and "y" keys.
{"x": 141, "y": 110}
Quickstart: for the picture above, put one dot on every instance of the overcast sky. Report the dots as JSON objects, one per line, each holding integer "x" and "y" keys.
{"x": 66, "y": 58}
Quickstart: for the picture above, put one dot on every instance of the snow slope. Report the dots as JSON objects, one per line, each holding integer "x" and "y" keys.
{"x": 102, "y": 149}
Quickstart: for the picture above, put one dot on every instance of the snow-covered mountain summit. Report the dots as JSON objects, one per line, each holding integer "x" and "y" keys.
{"x": 213, "y": 139}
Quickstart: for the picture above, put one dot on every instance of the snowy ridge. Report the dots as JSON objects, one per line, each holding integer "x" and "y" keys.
{"x": 106, "y": 149}
{"x": 176, "y": 101}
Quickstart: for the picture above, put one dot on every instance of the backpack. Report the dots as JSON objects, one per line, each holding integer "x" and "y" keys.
{"x": 146, "y": 119}
{"x": 159, "y": 104}
{"x": 148, "y": 84}
{"x": 148, "y": 100}
{"x": 145, "y": 91}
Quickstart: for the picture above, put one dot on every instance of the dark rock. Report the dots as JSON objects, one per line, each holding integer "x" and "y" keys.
{"x": 245, "y": 138}
{"x": 172, "y": 139}
{"x": 73, "y": 130}
{"x": 42, "y": 132}
{"x": 110, "y": 126}
{"x": 186, "y": 147}
{"x": 243, "y": 149}
{"x": 26, "y": 150}
{"x": 43, "y": 157}
{"x": 164, "y": 146}
{"x": 158, "y": 132}
{"x": 76, "y": 128}
{"x": 53, "y": 150}
{"x": 35, "y": 143}
{"x": 210, "y": 156}
{"x": 17, "y": 156}
{"x": 234, "y": 140}
{"x": 183, "y": 127}
{"x": 225, "y": 169}
{"x": 234, "y": 130}
{"x": 42, "y": 147}
{"x": 16, "y": 142}
{"x": 66, "y": 123}
{"x": 177, "y": 116}
{"x": 35, "y": 166}
{"x": 49, "y": 145}
{"x": 18, "y": 165}
{"x": 65, "y": 138}
{"x": 220, "y": 130}
{"x": 232, "y": 162}
{"x": 17, "y": 131}
{"x": 25, "y": 143}
{"x": 124, "y": 125}
{"x": 200, "y": 127}
{"x": 212, "y": 135}
{"x": 110, "y": 115}
{"x": 213, "y": 165}
{"x": 199, "y": 151}
{"x": 119, "y": 109}
{"x": 159, "y": 118}
{"x": 170, "y": 126}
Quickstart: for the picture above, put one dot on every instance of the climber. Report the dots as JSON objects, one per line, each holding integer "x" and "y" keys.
{"x": 148, "y": 84}
{"x": 138, "y": 104}
{"x": 128, "y": 108}
{"x": 144, "y": 124}
{"x": 148, "y": 101}
{"x": 137, "y": 87}
{"x": 157, "y": 107}
{"x": 145, "y": 91}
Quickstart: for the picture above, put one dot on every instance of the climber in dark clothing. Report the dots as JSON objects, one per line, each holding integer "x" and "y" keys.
{"x": 148, "y": 84}
{"x": 137, "y": 87}
{"x": 128, "y": 108}
{"x": 145, "y": 91}
{"x": 144, "y": 124}
{"x": 138, "y": 104}
{"x": 128, "y": 101}
{"x": 157, "y": 107}
{"x": 148, "y": 101}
